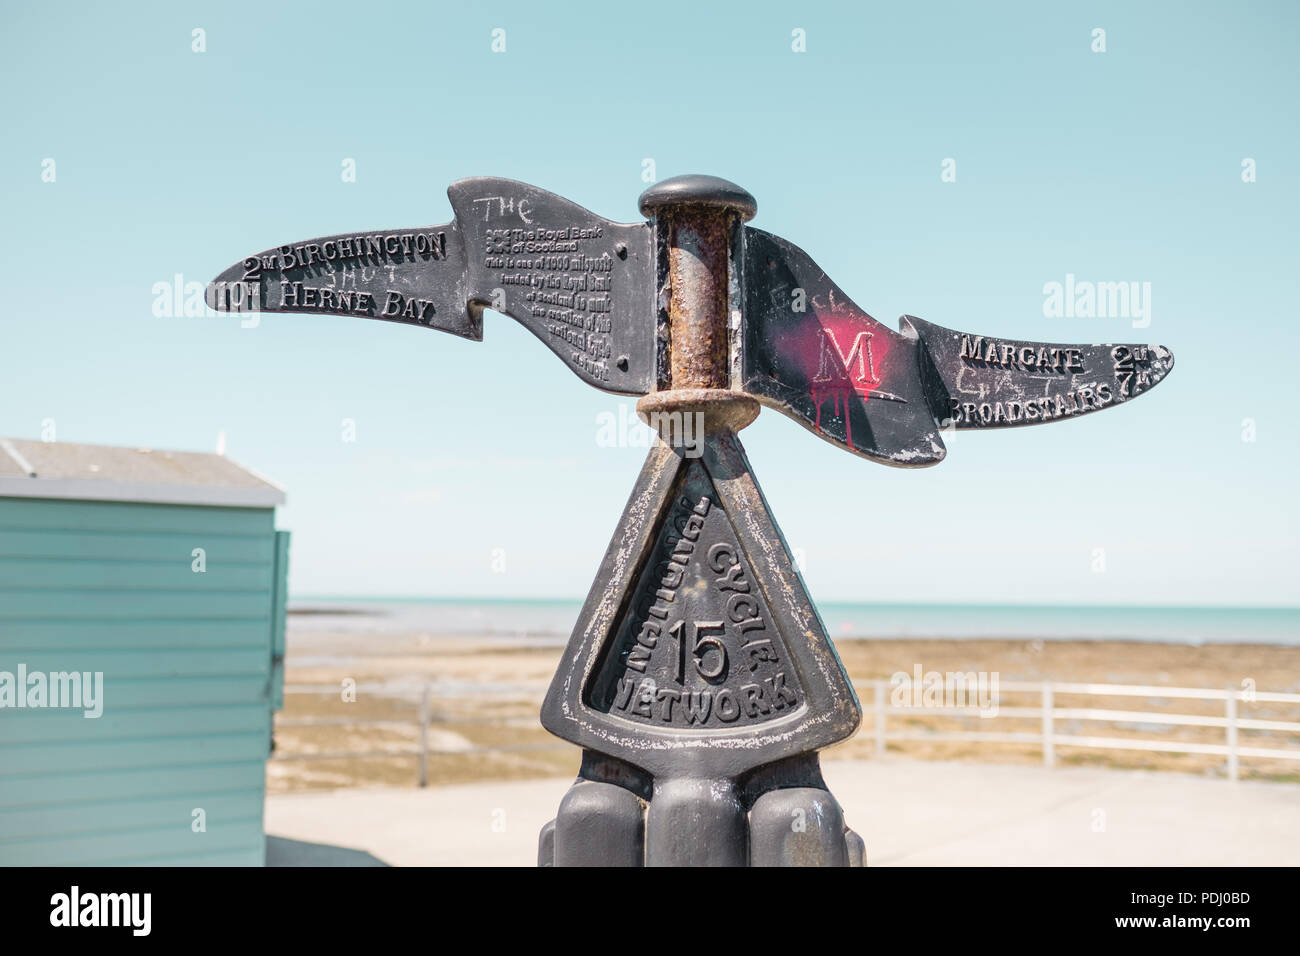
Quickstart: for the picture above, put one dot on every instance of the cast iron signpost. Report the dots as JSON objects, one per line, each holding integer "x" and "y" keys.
{"x": 699, "y": 680}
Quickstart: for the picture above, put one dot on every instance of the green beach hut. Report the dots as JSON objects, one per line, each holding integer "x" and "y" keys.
{"x": 142, "y": 609}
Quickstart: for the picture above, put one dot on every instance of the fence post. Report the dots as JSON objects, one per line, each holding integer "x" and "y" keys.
{"x": 1232, "y": 733}
{"x": 880, "y": 718}
{"x": 424, "y": 736}
{"x": 1049, "y": 742}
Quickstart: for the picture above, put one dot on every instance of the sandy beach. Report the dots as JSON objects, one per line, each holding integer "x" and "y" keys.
{"x": 485, "y": 693}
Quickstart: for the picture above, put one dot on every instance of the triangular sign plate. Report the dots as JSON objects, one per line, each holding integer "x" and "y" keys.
{"x": 698, "y": 649}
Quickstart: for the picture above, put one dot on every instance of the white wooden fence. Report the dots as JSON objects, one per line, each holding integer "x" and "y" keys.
{"x": 1047, "y": 738}
{"x": 425, "y": 718}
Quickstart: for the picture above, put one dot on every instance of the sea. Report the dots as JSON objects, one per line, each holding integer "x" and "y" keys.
{"x": 550, "y": 621}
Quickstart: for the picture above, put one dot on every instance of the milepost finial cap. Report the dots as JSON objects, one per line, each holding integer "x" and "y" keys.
{"x": 698, "y": 191}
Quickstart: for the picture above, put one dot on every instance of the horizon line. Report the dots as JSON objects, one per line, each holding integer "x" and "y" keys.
{"x": 451, "y": 599}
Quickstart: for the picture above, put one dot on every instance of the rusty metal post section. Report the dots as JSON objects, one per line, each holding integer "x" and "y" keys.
{"x": 697, "y": 304}
{"x": 699, "y": 680}
{"x": 697, "y": 219}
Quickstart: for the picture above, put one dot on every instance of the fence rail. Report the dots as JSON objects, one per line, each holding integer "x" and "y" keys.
{"x": 1048, "y": 739}
{"x": 425, "y": 718}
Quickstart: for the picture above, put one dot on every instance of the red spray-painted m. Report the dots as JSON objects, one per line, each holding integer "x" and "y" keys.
{"x": 855, "y": 368}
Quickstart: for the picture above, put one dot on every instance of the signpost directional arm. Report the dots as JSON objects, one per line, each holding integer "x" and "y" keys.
{"x": 811, "y": 353}
{"x": 412, "y": 276}
{"x": 579, "y": 282}
{"x": 978, "y": 381}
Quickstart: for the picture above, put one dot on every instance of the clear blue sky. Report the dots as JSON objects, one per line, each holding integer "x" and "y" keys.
{"x": 1116, "y": 166}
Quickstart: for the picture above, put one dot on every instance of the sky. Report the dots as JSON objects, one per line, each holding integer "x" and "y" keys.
{"x": 944, "y": 160}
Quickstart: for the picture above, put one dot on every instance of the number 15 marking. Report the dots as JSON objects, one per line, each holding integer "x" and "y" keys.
{"x": 697, "y": 649}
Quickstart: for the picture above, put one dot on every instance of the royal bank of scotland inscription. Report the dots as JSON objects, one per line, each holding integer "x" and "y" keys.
{"x": 565, "y": 277}
{"x": 572, "y": 277}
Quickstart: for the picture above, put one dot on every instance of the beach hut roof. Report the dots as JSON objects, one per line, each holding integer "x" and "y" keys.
{"x": 37, "y": 469}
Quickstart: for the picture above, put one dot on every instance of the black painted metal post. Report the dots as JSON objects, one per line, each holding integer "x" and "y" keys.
{"x": 699, "y": 681}
{"x": 712, "y": 580}
{"x": 696, "y": 820}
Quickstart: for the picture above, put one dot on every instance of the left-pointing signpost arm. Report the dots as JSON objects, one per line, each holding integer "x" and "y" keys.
{"x": 413, "y": 276}
{"x": 582, "y": 284}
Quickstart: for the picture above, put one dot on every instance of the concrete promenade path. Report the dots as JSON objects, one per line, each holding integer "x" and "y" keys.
{"x": 909, "y": 812}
